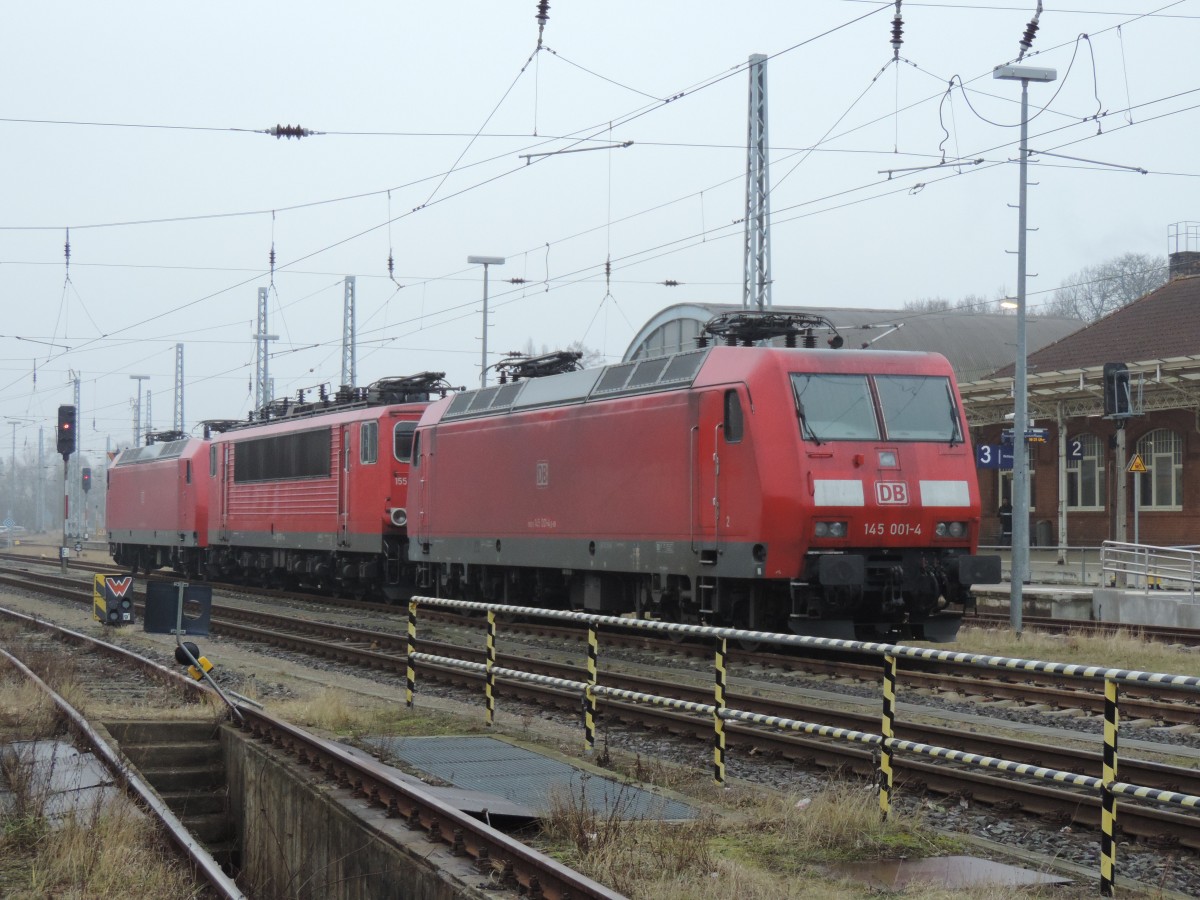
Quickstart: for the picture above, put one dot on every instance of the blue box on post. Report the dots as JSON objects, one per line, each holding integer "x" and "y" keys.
{"x": 163, "y": 613}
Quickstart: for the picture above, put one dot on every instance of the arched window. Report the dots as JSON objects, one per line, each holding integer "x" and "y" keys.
{"x": 1086, "y": 485}
{"x": 1162, "y": 482}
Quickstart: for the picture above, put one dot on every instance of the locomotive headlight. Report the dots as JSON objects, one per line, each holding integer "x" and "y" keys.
{"x": 821, "y": 529}
{"x": 951, "y": 529}
{"x": 829, "y": 529}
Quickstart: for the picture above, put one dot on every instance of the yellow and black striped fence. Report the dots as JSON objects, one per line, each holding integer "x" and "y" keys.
{"x": 885, "y": 742}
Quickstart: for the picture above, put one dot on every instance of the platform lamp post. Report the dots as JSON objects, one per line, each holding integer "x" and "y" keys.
{"x": 485, "y": 261}
{"x": 1020, "y": 485}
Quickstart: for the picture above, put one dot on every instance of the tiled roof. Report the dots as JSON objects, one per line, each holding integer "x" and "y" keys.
{"x": 1163, "y": 324}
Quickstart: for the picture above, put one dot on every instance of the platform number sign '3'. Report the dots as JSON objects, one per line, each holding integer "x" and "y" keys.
{"x": 891, "y": 493}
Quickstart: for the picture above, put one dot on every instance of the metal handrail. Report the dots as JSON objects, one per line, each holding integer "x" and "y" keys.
{"x": 1150, "y": 567}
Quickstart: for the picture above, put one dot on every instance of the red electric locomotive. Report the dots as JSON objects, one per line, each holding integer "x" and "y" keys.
{"x": 816, "y": 491}
{"x": 157, "y": 507}
{"x": 310, "y": 494}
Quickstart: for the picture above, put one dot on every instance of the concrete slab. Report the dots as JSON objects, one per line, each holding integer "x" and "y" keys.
{"x": 953, "y": 872}
{"x": 526, "y": 778}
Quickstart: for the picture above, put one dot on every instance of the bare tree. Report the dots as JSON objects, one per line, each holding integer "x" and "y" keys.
{"x": 928, "y": 305}
{"x": 1095, "y": 291}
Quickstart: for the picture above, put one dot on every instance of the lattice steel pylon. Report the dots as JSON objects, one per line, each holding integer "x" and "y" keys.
{"x": 349, "y": 354}
{"x": 756, "y": 280}
{"x": 262, "y": 381}
{"x": 177, "y": 419}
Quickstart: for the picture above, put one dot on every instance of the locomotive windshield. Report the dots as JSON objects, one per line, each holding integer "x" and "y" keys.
{"x": 835, "y": 407}
{"x": 842, "y": 408}
{"x": 918, "y": 408}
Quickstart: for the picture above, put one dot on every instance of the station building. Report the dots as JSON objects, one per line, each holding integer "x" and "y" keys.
{"x": 1082, "y": 489}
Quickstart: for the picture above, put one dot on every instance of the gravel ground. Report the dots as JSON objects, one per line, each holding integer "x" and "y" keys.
{"x": 271, "y": 674}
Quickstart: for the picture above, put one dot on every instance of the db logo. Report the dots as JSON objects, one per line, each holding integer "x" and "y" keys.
{"x": 894, "y": 493}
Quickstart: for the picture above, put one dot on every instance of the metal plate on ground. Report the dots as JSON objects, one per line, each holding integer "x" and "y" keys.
{"x": 527, "y": 778}
{"x": 943, "y": 871}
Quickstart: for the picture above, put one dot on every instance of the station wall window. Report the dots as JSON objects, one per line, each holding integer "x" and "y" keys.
{"x": 368, "y": 443}
{"x": 1087, "y": 487}
{"x": 1006, "y": 479}
{"x": 1162, "y": 483}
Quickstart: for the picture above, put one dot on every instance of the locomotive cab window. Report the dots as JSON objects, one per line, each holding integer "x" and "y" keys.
{"x": 403, "y": 441}
{"x": 212, "y": 460}
{"x": 368, "y": 443}
{"x": 835, "y": 407}
{"x": 918, "y": 408}
{"x": 733, "y": 417}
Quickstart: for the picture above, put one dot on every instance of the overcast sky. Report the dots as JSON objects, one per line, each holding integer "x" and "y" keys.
{"x": 133, "y": 124}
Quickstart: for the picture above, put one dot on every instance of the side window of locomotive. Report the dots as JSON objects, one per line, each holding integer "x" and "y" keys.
{"x": 404, "y": 441}
{"x": 834, "y": 407}
{"x": 733, "y": 417}
{"x": 187, "y": 475}
{"x": 416, "y": 449}
{"x": 212, "y": 460}
{"x": 918, "y": 408}
{"x": 368, "y": 443}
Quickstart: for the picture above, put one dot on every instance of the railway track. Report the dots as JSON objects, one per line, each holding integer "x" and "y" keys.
{"x": 524, "y": 870}
{"x": 385, "y": 651}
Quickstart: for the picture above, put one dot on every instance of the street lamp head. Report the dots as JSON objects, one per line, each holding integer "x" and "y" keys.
{"x": 1010, "y": 303}
{"x": 1024, "y": 73}
{"x": 485, "y": 260}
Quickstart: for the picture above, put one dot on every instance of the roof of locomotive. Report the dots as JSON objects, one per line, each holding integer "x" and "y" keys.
{"x": 187, "y": 448}
{"x": 319, "y": 420}
{"x": 678, "y": 371}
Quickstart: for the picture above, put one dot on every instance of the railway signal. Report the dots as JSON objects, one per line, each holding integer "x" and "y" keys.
{"x": 66, "y": 431}
{"x": 87, "y": 479}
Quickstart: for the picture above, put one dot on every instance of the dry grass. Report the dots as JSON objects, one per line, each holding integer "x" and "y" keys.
{"x": 103, "y": 851}
{"x": 348, "y": 714}
{"x": 1114, "y": 648}
{"x": 771, "y": 847}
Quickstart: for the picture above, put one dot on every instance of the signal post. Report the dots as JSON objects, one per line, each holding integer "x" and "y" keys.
{"x": 66, "y": 446}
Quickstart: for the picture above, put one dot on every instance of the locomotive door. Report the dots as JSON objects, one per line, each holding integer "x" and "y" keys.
{"x": 718, "y": 513}
{"x": 225, "y": 479}
{"x": 343, "y": 487}
{"x": 706, "y": 480}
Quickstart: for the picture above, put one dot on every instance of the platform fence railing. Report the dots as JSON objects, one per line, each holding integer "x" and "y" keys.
{"x": 1151, "y": 568}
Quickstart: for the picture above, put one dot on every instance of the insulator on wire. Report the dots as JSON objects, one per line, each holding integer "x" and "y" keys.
{"x": 67, "y": 248}
{"x": 271, "y": 256}
{"x": 516, "y": 281}
{"x": 391, "y": 267}
{"x": 897, "y": 32}
{"x": 543, "y": 16}
{"x": 290, "y": 131}
{"x": 1030, "y": 32}
{"x": 670, "y": 282}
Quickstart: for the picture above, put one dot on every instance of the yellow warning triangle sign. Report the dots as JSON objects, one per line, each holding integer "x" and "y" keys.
{"x": 1136, "y": 464}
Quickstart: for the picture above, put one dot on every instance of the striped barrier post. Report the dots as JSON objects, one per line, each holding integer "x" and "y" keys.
{"x": 410, "y": 673}
{"x": 1108, "y": 800}
{"x": 489, "y": 681}
{"x": 887, "y": 731}
{"x": 718, "y": 708}
{"x": 589, "y": 692}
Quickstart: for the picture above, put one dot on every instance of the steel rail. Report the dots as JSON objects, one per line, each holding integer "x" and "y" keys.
{"x": 536, "y": 874}
{"x": 125, "y": 774}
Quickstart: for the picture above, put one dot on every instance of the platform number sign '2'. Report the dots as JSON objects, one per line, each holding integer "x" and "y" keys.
{"x": 1075, "y": 448}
